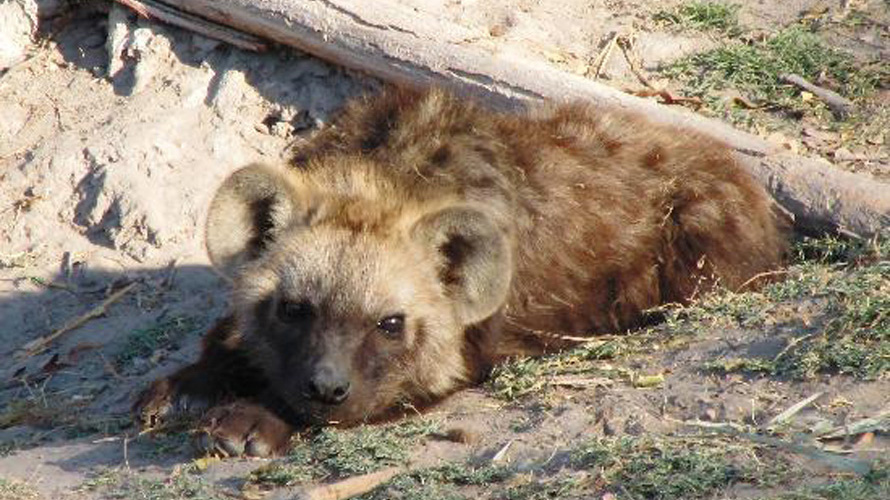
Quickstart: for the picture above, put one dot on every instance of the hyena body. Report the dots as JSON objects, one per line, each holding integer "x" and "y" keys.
{"x": 421, "y": 239}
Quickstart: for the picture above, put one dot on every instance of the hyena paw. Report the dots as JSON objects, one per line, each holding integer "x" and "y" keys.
{"x": 243, "y": 428}
{"x": 162, "y": 401}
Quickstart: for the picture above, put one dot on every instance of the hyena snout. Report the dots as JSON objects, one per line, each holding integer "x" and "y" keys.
{"x": 328, "y": 385}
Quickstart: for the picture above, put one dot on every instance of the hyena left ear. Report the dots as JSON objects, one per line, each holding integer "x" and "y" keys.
{"x": 476, "y": 259}
{"x": 250, "y": 208}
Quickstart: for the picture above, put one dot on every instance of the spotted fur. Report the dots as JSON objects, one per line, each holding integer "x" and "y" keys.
{"x": 493, "y": 234}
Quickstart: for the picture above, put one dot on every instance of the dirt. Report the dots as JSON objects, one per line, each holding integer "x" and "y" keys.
{"x": 115, "y": 132}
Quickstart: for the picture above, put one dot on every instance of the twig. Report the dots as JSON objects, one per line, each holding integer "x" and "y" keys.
{"x": 757, "y": 276}
{"x": 499, "y": 456}
{"x": 793, "y": 410}
{"x": 156, "y": 10}
{"x": 344, "y": 489}
{"x": 668, "y": 99}
{"x": 39, "y": 345}
{"x": 881, "y": 422}
{"x": 624, "y": 45}
{"x": 791, "y": 343}
{"x": 720, "y": 426}
{"x": 840, "y": 106}
{"x": 600, "y": 62}
{"x": 838, "y": 462}
{"x": 169, "y": 274}
{"x": 581, "y": 382}
{"x": 109, "y": 367}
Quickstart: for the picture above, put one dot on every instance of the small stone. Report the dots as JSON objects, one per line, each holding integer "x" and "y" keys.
{"x": 844, "y": 154}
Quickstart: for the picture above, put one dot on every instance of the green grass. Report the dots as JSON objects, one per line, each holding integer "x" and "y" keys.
{"x": 674, "y": 468}
{"x": 442, "y": 482}
{"x": 181, "y": 484}
{"x": 754, "y": 70}
{"x": 873, "y": 486}
{"x": 332, "y": 452}
{"x": 703, "y": 16}
{"x": 521, "y": 377}
{"x": 11, "y": 489}
{"x": 164, "y": 335}
{"x": 631, "y": 467}
{"x": 846, "y": 284}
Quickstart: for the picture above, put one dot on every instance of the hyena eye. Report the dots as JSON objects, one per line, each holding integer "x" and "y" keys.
{"x": 294, "y": 312}
{"x": 392, "y": 326}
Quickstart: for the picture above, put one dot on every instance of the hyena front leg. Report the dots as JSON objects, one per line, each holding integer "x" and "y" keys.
{"x": 222, "y": 374}
{"x": 243, "y": 427}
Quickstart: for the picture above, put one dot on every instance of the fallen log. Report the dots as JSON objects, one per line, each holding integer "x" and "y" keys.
{"x": 388, "y": 40}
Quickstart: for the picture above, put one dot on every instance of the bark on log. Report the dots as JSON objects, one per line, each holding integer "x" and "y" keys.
{"x": 385, "y": 39}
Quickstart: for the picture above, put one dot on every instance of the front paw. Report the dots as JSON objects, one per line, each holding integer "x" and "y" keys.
{"x": 161, "y": 401}
{"x": 243, "y": 428}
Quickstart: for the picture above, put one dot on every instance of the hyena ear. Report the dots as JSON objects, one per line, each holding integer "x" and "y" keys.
{"x": 476, "y": 259}
{"x": 247, "y": 212}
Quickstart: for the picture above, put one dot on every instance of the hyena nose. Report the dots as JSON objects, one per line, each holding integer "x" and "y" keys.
{"x": 328, "y": 390}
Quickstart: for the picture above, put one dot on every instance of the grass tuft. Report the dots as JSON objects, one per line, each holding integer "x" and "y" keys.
{"x": 11, "y": 489}
{"x": 164, "y": 335}
{"x": 847, "y": 287}
{"x": 703, "y": 16}
{"x": 754, "y": 69}
{"x": 873, "y": 486}
{"x": 340, "y": 453}
{"x": 182, "y": 483}
{"x": 521, "y": 377}
{"x": 670, "y": 469}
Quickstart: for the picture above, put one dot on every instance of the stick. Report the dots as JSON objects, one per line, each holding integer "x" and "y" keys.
{"x": 499, "y": 456}
{"x": 603, "y": 57}
{"x": 39, "y": 345}
{"x": 581, "y": 382}
{"x": 793, "y": 410}
{"x": 757, "y": 276}
{"x": 344, "y": 489}
{"x": 793, "y": 342}
{"x": 624, "y": 44}
{"x": 156, "y": 10}
{"x": 840, "y": 106}
{"x": 879, "y": 423}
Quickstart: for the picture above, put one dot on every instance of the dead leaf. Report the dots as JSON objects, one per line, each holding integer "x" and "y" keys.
{"x": 497, "y": 30}
{"x": 204, "y": 462}
{"x": 865, "y": 439}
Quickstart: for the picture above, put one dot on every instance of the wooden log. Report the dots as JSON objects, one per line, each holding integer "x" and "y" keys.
{"x": 386, "y": 39}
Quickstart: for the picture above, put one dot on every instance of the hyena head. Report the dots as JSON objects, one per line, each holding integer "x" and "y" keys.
{"x": 349, "y": 309}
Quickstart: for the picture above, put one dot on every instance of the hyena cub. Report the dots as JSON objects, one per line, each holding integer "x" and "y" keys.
{"x": 421, "y": 239}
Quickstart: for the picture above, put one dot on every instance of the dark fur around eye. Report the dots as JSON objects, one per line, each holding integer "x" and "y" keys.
{"x": 392, "y": 326}
{"x": 292, "y": 312}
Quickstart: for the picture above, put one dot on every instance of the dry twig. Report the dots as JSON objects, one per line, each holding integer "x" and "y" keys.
{"x": 793, "y": 410}
{"x": 603, "y": 57}
{"x": 625, "y": 44}
{"x": 840, "y": 106}
{"x": 758, "y": 276}
{"x": 347, "y": 488}
{"x": 39, "y": 345}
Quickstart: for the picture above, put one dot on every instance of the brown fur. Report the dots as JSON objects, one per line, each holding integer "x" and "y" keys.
{"x": 492, "y": 234}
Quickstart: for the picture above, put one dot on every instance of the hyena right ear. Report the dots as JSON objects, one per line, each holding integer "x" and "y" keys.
{"x": 247, "y": 213}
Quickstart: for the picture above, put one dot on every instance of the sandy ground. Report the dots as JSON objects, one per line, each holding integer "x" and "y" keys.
{"x": 114, "y": 133}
